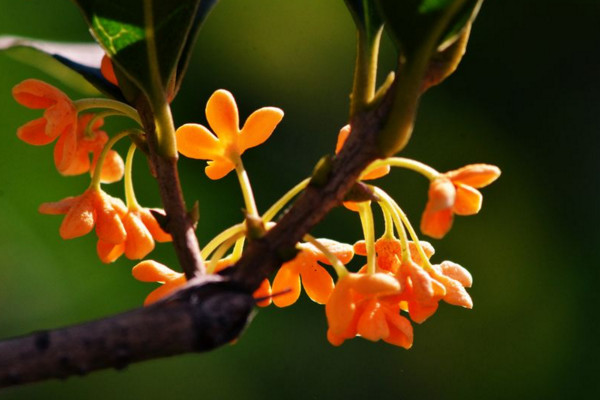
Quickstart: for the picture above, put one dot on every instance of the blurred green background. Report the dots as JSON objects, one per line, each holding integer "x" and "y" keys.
{"x": 526, "y": 98}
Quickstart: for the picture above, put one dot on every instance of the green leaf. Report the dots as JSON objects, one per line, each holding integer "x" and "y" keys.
{"x": 366, "y": 16}
{"x": 74, "y": 64}
{"x": 204, "y": 9}
{"x": 144, "y": 38}
{"x": 416, "y": 23}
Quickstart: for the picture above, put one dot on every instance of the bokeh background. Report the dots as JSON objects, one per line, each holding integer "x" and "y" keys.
{"x": 526, "y": 98}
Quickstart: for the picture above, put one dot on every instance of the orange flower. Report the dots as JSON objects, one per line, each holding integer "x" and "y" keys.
{"x": 422, "y": 291}
{"x": 59, "y": 120}
{"x": 92, "y": 208}
{"x": 91, "y": 142}
{"x": 317, "y": 282}
{"x": 223, "y": 151}
{"x": 152, "y": 271}
{"x": 359, "y": 306}
{"x": 389, "y": 252}
{"x": 455, "y": 192}
{"x": 142, "y": 230}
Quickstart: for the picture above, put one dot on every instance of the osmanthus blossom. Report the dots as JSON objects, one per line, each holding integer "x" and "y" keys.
{"x": 224, "y": 150}
{"x": 74, "y": 142}
{"x": 91, "y": 142}
{"x": 153, "y": 271}
{"x": 305, "y": 268}
{"x": 455, "y": 192}
{"x": 93, "y": 208}
{"x": 364, "y": 305}
{"x": 142, "y": 231}
{"x": 59, "y": 120}
{"x": 107, "y": 70}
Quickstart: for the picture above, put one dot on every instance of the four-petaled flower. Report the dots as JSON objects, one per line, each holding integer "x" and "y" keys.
{"x": 92, "y": 208}
{"x": 359, "y": 306}
{"x": 317, "y": 282}
{"x": 455, "y": 192}
{"x": 142, "y": 230}
{"x": 59, "y": 120}
{"x": 224, "y": 150}
{"x": 91, "y": 141}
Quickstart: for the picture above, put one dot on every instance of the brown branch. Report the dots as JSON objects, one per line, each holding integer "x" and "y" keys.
{"x": 178, "y": 222}
{"x": 199, "y": 318}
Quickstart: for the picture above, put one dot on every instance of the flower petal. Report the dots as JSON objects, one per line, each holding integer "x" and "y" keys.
{"x": 107, "y": 70}
{"x": 475, "y": 175}
{"x": 35, "y": 94}
{"x": 286, "y": 286}
{"x": 376, "y": 173}
{"x": 222, "y": 116}
{"x": 139, "y": 241}
{"x": 65, "y": 152}
{"x": 195, "y": 141}
{"x": 59, "y": 207}
{"x": 436, "y": 223}
{"x": 34, "y": 132}
{"x": 80, "y": 219}
{"x": 165, "y": 290}
{"x": 113, "y": 168}
{"x": 263, "y": 293}
{"x": 317, "y": 283}
{"x": 401, "y": 331}
{"x": 109, "y": 252}
{"x": 456, "y": 272}
{"x": 152, "y": 271}
{"x": 468, "y": 200}
{"x": 153, "y": 227}
{"x": 109, "y": 227}
{"x": 219, "y": 168}
{"x": 441, "y": 194}
{"x": 372, "y": 324}
{"x": 258, "y": 127}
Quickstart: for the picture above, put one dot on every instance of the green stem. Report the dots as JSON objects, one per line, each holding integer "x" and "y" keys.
{"x": 279, "y": 204}
{"x": 405, "y": 221}
{"x": 103, "y": 114}
{"x": 124, "y": 109}
{"x": 238, "y": 249}
{"x": 165, "y": 130}
{"x": 406, "y": 163}
{"x": 130, "y": 198}
{"x": 340, "y": 268}
{"x": 366, "y": 219}
{"x": 96, "y": 178}
{"x": 365, "y": 70}
{"x": 246, "y": 188}
{"x": 220, "y": 238}
{"x": 389, "y": 223}
{"x": 220, "y": 252}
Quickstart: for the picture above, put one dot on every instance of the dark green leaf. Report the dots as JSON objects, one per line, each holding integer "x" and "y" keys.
{"x": 144, "y": 38}
{"x": 74, "y": 64}
{"x": 203, "y": 10}
{"x": 414, "y": 23}
{"x": 366, "y": 16}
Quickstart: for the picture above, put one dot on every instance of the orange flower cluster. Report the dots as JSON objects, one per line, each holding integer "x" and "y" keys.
{"x": 455, "y": 192}
{"x": 119, "y": 230}
{"x": 74, "y": 142}
{"x": 369, "y": 305}
{"x": 223, "y": 151}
